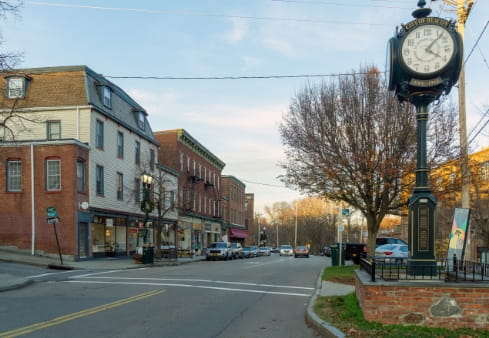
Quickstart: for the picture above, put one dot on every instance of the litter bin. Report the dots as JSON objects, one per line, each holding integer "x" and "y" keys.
{"x": 335, "y": 259}
{"x": 148, "y": 255}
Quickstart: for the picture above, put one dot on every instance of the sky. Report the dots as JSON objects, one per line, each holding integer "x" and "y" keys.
{"x": 176, "y": 53}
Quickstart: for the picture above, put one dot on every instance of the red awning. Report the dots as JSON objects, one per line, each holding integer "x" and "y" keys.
{"x": 238, "y": 233}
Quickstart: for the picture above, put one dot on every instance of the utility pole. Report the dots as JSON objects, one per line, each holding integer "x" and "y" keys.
{"x": 295, "y": 237}
{"x": 463, "y": 8}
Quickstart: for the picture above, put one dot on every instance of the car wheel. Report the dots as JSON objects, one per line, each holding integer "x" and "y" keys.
{"x": 207, "y": 258}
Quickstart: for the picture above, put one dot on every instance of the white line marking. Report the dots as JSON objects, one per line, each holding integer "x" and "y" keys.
{"x": 193, "y": 286}
{"x": 203, "y": 281}
{"x": 50, "y": 274}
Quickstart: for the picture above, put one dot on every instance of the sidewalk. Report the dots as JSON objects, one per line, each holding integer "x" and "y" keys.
{"x": 14, "y": 255}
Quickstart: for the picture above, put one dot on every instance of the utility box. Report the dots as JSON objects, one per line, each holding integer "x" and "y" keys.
{"x": 148, "y": 255}
{"x": 335, "y": 256}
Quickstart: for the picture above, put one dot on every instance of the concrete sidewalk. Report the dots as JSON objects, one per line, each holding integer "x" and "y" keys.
{"x": 14, "y": 255}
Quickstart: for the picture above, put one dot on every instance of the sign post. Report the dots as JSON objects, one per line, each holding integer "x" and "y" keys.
{"x": 52, "y": 218}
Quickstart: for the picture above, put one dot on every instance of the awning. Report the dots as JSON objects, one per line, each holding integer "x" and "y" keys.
{"x": 238, "y": 233}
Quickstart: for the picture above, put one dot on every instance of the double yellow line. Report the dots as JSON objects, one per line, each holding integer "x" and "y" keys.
{"x": 59, "y": 320}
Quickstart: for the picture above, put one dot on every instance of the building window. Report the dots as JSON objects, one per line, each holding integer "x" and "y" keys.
{"x": 141, "y": 120}
{"x": 120, "y": 144}
{"x": 14, "y": 175}
{"x": 16, "y": 87}
{"x": 137, "y": 152}
{"x": 53, "y": 130}
{"x": 152, "y": 159}
{"x": 181, "y": 161}
{"x": 80, "y": 175}
{"x": 120, "y": 186}
{"x": 53, "y": 175}
{"x": 107, "y": 97}
{"x": 99, "y": 180}
{"x": 99, "y": 134}
{"x": 137, "y": 190}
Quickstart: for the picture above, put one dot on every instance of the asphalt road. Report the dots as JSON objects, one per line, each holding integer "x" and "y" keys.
{"x": 259, "y": 297}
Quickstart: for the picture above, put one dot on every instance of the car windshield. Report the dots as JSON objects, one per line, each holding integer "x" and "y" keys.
{"x": 263, "y": 248}
{"x": 285, "y": 247}
{"x": 218, "y": 245}
{"x": 246, "y": 248}
{"x": 234, "y": 245}
{"x": 301, "y": 248}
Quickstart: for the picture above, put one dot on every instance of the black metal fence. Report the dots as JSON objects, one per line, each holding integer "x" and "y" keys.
{"x": 446, "y": 270}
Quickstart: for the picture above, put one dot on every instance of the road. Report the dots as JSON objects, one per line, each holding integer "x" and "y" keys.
{"x": 258, "y": 297}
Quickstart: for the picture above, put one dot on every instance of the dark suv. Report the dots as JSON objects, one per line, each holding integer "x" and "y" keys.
{"x": 388, "y": 240}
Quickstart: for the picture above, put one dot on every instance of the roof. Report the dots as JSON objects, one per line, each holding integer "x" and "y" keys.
{"x": 76, "y": 86}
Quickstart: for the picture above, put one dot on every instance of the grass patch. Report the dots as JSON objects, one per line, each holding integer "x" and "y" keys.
{"x": 345, "y": 313}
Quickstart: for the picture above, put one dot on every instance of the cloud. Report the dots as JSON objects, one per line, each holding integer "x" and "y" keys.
{"x": 238, "y": 31}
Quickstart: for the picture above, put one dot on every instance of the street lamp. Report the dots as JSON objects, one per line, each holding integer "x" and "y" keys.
{"x": 146, "y": 203}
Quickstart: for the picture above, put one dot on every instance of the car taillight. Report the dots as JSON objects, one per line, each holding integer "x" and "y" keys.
{"x": 388, "y": 253}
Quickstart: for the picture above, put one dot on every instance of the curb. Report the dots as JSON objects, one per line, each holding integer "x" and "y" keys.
{"x": 324, "y": 328}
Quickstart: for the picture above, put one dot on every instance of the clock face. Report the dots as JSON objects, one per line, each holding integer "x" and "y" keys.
{"x": 427, "y": 49}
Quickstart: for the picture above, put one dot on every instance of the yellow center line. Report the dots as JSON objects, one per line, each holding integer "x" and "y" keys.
{"x": 62, "y": 319}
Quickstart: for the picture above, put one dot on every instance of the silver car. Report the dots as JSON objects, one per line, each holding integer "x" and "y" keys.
{"x": 286, "y": 250}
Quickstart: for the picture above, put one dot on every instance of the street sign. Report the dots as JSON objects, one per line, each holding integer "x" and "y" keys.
{"x": 51, "y": 212}
{"x": 345, "y": 212}
{"x": 52, "y": 220}
{"x": 341, "y": 228}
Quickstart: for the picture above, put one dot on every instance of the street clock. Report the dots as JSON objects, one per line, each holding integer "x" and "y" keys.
{"x": 424, "y": 57}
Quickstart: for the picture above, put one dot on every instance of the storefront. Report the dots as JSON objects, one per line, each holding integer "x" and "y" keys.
{"x": 237, "y": 235}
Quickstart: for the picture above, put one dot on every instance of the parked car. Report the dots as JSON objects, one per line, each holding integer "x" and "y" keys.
{"x": 286, "y": 250}
{"x": 237, "y": 250}
{"x": 388, "y": 240}
{"x": 247, "y": 252}
{"x": 392, "y": 253}
{"x": 301, "y": 250}
{"x": 264, "y": 251}
{"x": 219, "y": 250}
{"x": 326, "y": 251}
{"x": 274, "y": 250}
{"x": 254, "y": 251}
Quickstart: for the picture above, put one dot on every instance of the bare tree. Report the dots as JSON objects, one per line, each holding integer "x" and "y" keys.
{"x": 9, "y": 60}
{"x": 350, "y": 140}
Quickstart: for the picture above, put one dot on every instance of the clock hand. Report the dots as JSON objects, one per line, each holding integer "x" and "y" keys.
{"x": 428, "y": 49}
{"x": 431, "y": 52}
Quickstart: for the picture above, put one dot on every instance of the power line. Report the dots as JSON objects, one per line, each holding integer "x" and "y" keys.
{"x": 341, "y": 4}
{"x": 244, "y": 17}
{"x": 477, "y": 41}
{"x": 265, "y": 184}
{"x": 231, "y": 77}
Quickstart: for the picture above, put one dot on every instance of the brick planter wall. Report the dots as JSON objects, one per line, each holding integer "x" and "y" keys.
{"x": 426, "y": 303}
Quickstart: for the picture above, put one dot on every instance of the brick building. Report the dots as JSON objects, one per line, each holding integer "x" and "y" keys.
{"x": 233, "y": 208}
{"x": 199, "y": 188}
{"x": 73, "y": 140}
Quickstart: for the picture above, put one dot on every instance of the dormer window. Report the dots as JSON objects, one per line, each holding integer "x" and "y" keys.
{"x": 141, "y": 119}
{"x": 107, "y": 96}
{"x": 16, "y": 87}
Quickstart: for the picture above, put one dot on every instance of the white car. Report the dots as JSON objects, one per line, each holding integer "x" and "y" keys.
{"x": 392, "y": 253}
{"x": 286, "y": 250}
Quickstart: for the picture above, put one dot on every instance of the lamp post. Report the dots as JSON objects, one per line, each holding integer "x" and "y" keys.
{"x": 146, "y": 203}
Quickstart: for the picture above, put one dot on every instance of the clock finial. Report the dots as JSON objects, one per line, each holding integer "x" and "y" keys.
{"x": 421, "y": 12}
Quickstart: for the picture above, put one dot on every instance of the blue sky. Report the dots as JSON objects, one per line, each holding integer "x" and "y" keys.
{"x": 235, "y": 119}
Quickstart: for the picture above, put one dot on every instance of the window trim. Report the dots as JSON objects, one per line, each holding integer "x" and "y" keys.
{"x": 107, "y": 96}
{"x": 21, "y": 89}
{"x": 120, "y": 144}
{"x": 48, "y": 161}
{"x": 99, "y": 180}
{"x": 9, "y": 175}
{"x": 119, "y": 184}
{"x": 49, "y": 124}
{"x": 99, "y": 134}
{"x": 83, "y": 182}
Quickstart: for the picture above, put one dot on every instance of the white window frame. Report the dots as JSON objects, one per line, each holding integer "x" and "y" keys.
{"x": 15, "y": 87}
{"x": 50, "y": 126}
{"x": 14, "y": 175}
{"x": 53, "y": 175}
{"x": 107, "y": 96}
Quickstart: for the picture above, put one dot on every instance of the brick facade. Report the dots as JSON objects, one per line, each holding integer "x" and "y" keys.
{"x": 426, "y": 303}
{"x": 16, "y": 206}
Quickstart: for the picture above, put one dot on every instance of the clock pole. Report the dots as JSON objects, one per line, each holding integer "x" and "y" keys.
{"x": 426, "y": 58}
